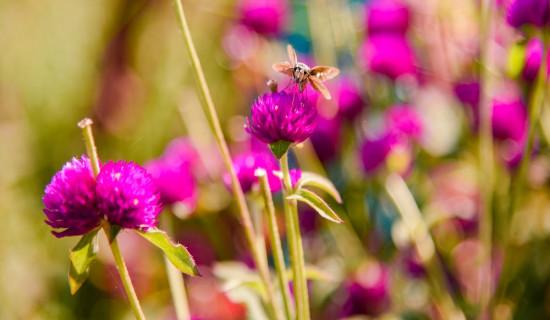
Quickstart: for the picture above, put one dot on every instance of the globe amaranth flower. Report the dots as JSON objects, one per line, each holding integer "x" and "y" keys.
{"x": 387, "y": 16}
{"x": 70, "y": 199}
{"x": 174, "y": 180}
{"x": 533, "y": 59}
{"x": 368, "y": 291}
{"x": 266, "y": 17}
{"x": 403, "y": 119}
{"x": 388, "y": 54}
{"x": 282, "y": 116}
{"x": 534, "y": 12}
{"x": 127, "y": 195}
{"x": 326, "y": 139}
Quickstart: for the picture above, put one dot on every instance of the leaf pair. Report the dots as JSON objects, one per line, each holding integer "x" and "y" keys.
{"x": 314, "y": 200}
{"x": 85, "y": 251}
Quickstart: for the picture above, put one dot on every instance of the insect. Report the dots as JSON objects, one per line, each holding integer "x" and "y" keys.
{"x": 301, "y": 74}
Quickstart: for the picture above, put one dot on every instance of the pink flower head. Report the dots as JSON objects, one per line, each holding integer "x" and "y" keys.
{"x": 369, "y": 291}
{"x": 282, "y": 116}
{"x": 350, "y": 100}
{"x": 403, "y": 119}
{"x": 266, "y": 17}
{"x": 533, "y": 59}
{"x": 389, "y": 54}
{"x": 70, "y": 199}
{"x": 534, "y": 12}
{"x": 127, "y": 196}
{"x": 468, "y": 92}
{"x": 174, "y": 180}
{"x": 245, "y": 166}
{"x": 509, "y": 120}
{"x": 387, "y": 16}
{"x": 326, "y": 139}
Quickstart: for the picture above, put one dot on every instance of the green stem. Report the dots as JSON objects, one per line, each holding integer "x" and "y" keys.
{"x": 222, "y": 144}
{"x": 124, "y": 275}
{"x": 295, "y": 246}
{"x": 275, "y": 241}
{"x": 418, "y": 231}
{"x": 86, "y": 126}
{"x": 175, "y": 278}
{"x": 486, "y": 162}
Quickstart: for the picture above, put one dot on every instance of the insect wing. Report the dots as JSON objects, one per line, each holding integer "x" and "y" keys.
{"x": 319, "y": 86}
{"x": 283, "y": 67}
{"x": 324, "y": 73}
{"x": 292, "y": 55}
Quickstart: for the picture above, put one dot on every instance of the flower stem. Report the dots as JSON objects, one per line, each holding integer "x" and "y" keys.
{"x": 124, "y": 275}
{"x": 175, "y": 278}
{"x": 275, "y": 241}
{"x": 295, "y": 246}
{"x": 245, "y": 218}
{"x": 486, "y": 164}
{"x": 86, "y": 126}
{"x": 418, "y": 231}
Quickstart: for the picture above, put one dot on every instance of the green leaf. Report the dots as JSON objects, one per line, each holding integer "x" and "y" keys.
{"x": 176, "y": 253}
{"x": 279, "y": 148}
{"x": 316, "y": 180}
{"x": 314, "y": 201}
{"x": 313, "y": 273}
{"x": 113, "y": 232}
{"x": 81, "y": 256}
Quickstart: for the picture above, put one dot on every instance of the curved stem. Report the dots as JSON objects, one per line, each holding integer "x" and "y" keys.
{"x": 175, "y": 278}
{"x": 245, "y": 218}
{"x": 125, "y": 276}
{"x": 86, "y": 126}
{"x": 295, "y": 246}
{"x": 275, "y": 241}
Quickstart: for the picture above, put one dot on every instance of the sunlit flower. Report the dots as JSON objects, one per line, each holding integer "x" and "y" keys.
{"x": 174, "y": 180}
{"x": 387, "y": 16}
{"x": 282, "y": 116}
{"x": 245, "y": 166}
{"x": 70, "y": 199}
{"x": 535, "y": 12}
{"x": 127, "y": 196}
{"x": 389, "y": 54}
{"x": 266, "y": 17}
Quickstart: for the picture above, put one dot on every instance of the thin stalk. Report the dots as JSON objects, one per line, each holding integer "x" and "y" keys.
{"x": 275, "y": 241}
{"x": 124, "y": 275}
{"x": 222, "y": 144}
{"x": 175, "y": 277}
{"x": 418, "y": 231}
{"x": 486, "y": 164}
{"x": 86, "y": 126}
{"x": 295, "y": 245}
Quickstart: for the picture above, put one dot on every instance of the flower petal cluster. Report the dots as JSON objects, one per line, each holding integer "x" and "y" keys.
{"x": 265, "y": 17}
{"x": 127, "y": 195}
{"x": 387, "y": 16}
{"x": 389, "y": 54}
{"x": 123, "y": 194}
{"x": 534, "y": 12}
{"x": 282, "y": 116}
{"x": 70, "y": 199}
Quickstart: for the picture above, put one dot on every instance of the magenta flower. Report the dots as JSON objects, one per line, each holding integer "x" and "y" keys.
{"x": 369, "y": 291}
{"x": 375, "y": 151}
{"x": 326, "y": 139}
{"x": 174, "y": 180}
{"x": 533, "y": 58}
{"x": 127, "y": 196}
{"x": 265, "y": 17}
{"x": 387, "y": 16}
{"x": 350, "y": 100}
{"x": 245, "y": 166}
{"x": 468, "y": 92}
{"x": 282, "y": 116}
{"x": 509, "y": 120}
{"x": 389, "y": 54}
{"x": 535, "y": 12}
{"x": 70, "y": 199}
{"x": 403, "y": 119}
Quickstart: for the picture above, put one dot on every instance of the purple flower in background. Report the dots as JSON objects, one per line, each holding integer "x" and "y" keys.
{"x": 174, "y": 181}
{"x": 468, "y": 92}
{"x": 388, "y": 54}
{"x": 282, "y": 116}
{"x": 326, "y": 138}
{"x": 368, "y": 291}
{"x": 350, "y": 101}
{"x": 387, "y": 16}
{"x": 245, "y": 166}
{"x": 70, "y": 199}
{"x": 127, "y": 196}
{"x": 535, "y": 12}
{"x": 375, "y": 151}
{"x": 266, "y": 17}
{"x": 533, "y": 58}
{"x": 403, "y": 119}
{"x": 509, "y": 120}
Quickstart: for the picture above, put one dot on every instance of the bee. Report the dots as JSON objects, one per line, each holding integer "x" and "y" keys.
{"x": 301, "y": 74}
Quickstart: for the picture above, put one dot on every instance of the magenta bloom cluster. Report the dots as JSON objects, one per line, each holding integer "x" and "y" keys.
{"x": 282, "y": 116}
{"x": 123, "y": 194}
{"x": 534, "y": 12}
